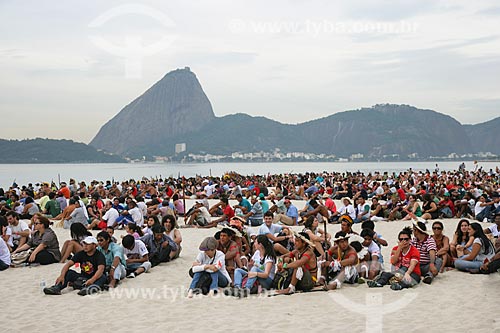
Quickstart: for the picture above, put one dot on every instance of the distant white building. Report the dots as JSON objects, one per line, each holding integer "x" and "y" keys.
{"x": 180, "y": 147}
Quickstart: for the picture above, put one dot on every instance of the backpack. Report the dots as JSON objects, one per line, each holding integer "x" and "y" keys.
{"x": 282, "y": 279}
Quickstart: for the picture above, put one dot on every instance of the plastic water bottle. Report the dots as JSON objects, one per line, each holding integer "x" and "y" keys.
{"x": 42, "y": 285}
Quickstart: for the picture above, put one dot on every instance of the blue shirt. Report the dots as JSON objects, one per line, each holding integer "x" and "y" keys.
{"x": 245, "y": 203}
{"x": 114, "y": 250}
{"x": 292, "y": 212}
{"x": 273, "y": 229}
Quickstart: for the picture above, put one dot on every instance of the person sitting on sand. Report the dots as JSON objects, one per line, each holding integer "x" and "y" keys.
{"x": 255, "y": 215}
{"x": 429, "y": 208}
{"x": 115, "y": 260}
{"x": 462, "y": 242}
{"x": 494, "y": 230}
{"x": 341, "y": 266}
{"x": 412, "y": 209}
{"x": 212, "y": 261}
{"x": 291, "y": 215}
{"x": 318, "y": 210}
{"x": 316, "y": 235}
{"x": 77, "y": 215}
{"x": 346, "y": 209}
{"x": 222, "y": 210}
{"x": 346, "y": 224}
{"x": 262, "y": 268}
{"x": 170, "y": 224}
{"x": 151, "y": 221}
{"x": 159, "y": 245}
{"x": 4, "y": 252}
{"x": 228, "y": 246}
{"x": 271, "y": 231}
{"x": 30, "y": 208}
{"x": 137, "y": 256}
{"x": 301, "y": 263}
{"x": 405, "y": 260}
{"x": 43, "y": 242}
{"x": 377, "y": 212}
{"x": 430, "y": 263}
{"x": 442, "y": 244}
{"x": 199, "y": 216}
{"x": 374, "y": 261}
{"x": 74, "y": 245}
{"x": 482, "y": 250}
{"x": 20, "y": 229}
{"x": 52, "y": 207}
{"x": 92, "y": 264}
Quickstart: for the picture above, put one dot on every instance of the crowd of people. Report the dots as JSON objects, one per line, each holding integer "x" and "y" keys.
{"x": 262, "y": 240}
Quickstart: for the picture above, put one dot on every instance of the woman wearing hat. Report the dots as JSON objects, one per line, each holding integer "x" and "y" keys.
{"x": 213, "y": 262}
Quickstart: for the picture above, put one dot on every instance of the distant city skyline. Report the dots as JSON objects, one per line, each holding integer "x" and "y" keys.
{"x": 69, "y": 68}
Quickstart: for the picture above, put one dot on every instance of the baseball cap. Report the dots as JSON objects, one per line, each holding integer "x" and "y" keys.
{"x": 90, "y": 240}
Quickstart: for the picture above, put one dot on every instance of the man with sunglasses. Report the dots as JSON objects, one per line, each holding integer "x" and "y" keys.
{"x": 430, "y": 263}
{"x": 405, "y": 260}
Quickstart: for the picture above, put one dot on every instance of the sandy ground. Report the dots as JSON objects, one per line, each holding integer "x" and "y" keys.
{"x": 455, "y": 301}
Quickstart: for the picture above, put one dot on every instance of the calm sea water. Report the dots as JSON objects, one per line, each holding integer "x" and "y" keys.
{"x": 26, "y": 173}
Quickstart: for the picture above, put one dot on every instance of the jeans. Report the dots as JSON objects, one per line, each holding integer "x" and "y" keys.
{"x": 363, "y": 218}
{"x": 120, "y": 272}
{"x": 493, "y": 267}
{"x": 72, "y": 276}
{"x": 485, "y": 213}
{"x": 239, "y": 274}
{"x": 424, "y": 269}
{"x": 466, "y": 265}
{"x": 218, "y": 280}
{"x": 386, "y": 276}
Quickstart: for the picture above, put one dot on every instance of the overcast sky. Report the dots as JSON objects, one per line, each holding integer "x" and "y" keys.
{"x": 67, "y": 67}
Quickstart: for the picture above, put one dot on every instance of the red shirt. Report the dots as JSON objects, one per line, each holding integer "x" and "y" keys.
{"x": 229, "y": 212}
{"x": 404, "y": 259}
{"x": 65, "y": 191}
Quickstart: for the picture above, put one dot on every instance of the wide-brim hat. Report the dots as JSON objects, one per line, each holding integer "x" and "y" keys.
{"x": 346, "y": 198}
{"x": 237, "y": 222}
{"x": 302, "y": 238}
{"x": 420, "y": 226}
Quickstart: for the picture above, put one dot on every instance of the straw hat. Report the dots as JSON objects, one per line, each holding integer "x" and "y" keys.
{"x": 420, "y": 226}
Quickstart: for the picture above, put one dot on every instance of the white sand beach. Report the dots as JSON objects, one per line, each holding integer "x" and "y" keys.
{"x": 156, "y": 301}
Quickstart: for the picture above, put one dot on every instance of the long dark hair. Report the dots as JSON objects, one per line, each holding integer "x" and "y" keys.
{"x": 479, "y": 233}
{"x": 460, "y": 234}
{"x": 78, "y": 230}
{"x": 268, "y": 247}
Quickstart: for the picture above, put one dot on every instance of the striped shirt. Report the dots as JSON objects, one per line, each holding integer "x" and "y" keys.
{"x": 424, "y": 247}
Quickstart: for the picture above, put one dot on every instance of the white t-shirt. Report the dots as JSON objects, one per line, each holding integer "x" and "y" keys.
{"x": 111, "y": 216}
{"x": 21, "y": 226}
{"x": 8, "y": 232}
{"x": 262, "y": 266}
{"x": 204, "y": 212}
{"x": 143, "y": 208}
{"x": 478, "y": 209}
{"x": 139, "y": 250}
{"x": 137, "y": 216}
{"x": 218, "y": 261}
{"x": 481, "y": 255}
{"x": 273, "y": 229}
{"x": 494, "y": 230}
{"x": 349, "y": 210}
{"x": 4, "y": 252}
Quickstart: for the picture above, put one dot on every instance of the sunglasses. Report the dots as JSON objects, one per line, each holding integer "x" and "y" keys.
{"x": 437, "y": 228}
{"x": 403, "y": 239}
{"x": 38, "y": 223}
